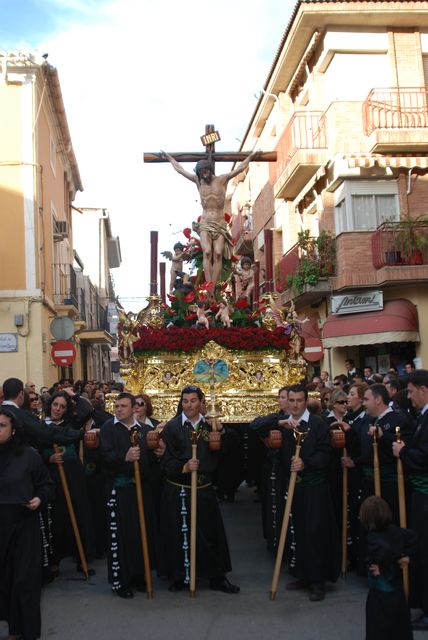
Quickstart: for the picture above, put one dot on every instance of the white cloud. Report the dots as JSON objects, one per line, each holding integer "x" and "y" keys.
{"x": 148, "y": 75}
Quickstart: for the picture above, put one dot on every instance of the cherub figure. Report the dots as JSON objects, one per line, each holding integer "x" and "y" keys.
{"x": 223, "y": 315}
{"x": 244, "y": 278}
{"x": 177, "y": 259}
{"x": 201, "y": 312}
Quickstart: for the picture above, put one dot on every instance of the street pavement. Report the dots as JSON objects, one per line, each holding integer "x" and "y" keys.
{"x": 73, "y": 609}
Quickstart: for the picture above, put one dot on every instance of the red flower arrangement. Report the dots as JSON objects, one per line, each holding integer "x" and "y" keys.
{"x": 190, "y": 339}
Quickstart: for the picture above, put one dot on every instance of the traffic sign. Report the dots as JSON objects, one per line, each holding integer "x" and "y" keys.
{"x": 62, "y": 327}
{"x": 63, "y": 353}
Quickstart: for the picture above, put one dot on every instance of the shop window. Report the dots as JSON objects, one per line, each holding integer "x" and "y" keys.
{"x": 364, "y": 205}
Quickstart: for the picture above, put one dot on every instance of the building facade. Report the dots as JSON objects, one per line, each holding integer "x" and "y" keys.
{"x": 39, "y": 178}
{"x": 345, "y": 107}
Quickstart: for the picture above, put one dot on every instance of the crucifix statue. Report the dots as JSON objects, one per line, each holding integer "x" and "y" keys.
{"x": 216, "y": 241}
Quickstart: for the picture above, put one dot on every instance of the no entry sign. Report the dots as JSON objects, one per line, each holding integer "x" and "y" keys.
{"x": 63, "y": 353}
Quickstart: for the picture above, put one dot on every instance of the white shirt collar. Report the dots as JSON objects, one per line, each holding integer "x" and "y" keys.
{"x": 10, "y": 403}
{"x": 304, "y": 417}
{"x": 387, "y": 410}
{"x": 184, "y": 419}
{"x": 134, "y": 424}
{"x": 422, "y": 412}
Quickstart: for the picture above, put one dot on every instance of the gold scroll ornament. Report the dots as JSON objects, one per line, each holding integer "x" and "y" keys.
{"x": 250, "y": 390}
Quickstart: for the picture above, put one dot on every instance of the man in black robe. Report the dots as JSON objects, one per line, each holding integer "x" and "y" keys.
{"x": 414, "y": 457}
{"x": 125, "y": 559}
{"x": 273, "y": 480}
{"x": 212, "y": 551}
{"x": 313, "y": 526}
{"x": 384, "y": 421}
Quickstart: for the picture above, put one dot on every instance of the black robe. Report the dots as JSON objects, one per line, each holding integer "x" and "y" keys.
{"x": 63, "y": 540}
{"x": 22, "y": 477}
{"x": 125, "y": 557}
{"x": 415, "y": 463}
{"x": 387, "y": 612}
{"x": 314, "y": 552}
{"x": 212, "y": 551}
{"x": 273, "y": 482}
{"x": 387, "y": 462}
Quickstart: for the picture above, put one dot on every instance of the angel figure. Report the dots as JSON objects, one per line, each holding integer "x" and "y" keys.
{"x": 201, "y": 312}
{"x": 223, "y": 315}
{"x": 177, "y": 258}
{"x": 127, "y": 336}
{"x": 244, "y": 278}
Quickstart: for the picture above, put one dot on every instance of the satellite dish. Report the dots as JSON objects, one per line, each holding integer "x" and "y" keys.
{"x": 62, "y": 328}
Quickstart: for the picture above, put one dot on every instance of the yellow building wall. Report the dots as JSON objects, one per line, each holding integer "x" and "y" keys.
{"x": 12, "y": 239}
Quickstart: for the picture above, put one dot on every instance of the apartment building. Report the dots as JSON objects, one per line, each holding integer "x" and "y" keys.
{"x": 39, "y": 178}
{"x": 339, "y": 222}
{"x": 97, "y": 251}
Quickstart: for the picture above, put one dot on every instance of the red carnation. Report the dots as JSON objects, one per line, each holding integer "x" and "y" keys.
{"x": 234, "y": 258}
{"x": 227, "y": 217}
{"x": 187, "y": 232}
{"x": 189, "y": 297}
{"x": 240, "y": 304}
{"x": 171, "y": 297}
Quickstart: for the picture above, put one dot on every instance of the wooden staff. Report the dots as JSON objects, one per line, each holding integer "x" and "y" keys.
{"x": 402, "y": 511}
{"x": 72, "y": 514}
{"x": 344, "y": 516}
{"x": 193, "y": 502}
{"x": 284, "y": 527}
{"x": 376, "y": 470}
{"x": 143, "y": 529}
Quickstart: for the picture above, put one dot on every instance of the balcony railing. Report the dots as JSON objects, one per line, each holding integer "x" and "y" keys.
{"x": 65, "y": 288}
{"x": 306, "y": 265}
{"x": 241, "y": 226}
{"x": 306, "y": 130}
{"x": 395, "y": 108}
{"x": 400, "y": 243}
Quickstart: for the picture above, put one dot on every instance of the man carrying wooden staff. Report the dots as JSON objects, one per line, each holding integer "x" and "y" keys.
{"x": 212, "y": 551}
{"x": 384, "y": 422}
{"x": 126, "y": 564}
{"x": 414, "y": 456}
{"x": 313, "y": 526}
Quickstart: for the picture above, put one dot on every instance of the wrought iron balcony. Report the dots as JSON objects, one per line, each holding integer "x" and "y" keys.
{"x": 400, "y": 243}
{"x": 299, "y": 152}
{"x": 307, "y": 264}
{"x": 395, "y": 119}
{"x": 65, "y": 288}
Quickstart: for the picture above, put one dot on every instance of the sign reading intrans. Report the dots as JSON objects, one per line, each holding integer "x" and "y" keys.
{"x": 357, "y": 302}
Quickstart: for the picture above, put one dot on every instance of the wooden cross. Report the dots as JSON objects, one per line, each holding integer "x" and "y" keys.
{"x": 208, "y": 140}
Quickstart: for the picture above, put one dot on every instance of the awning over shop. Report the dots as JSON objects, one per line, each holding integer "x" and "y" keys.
{"x": 396, "y": 322}
{"x": 313, "y": 351}
{"x": 95, "y": 336}
{"x": 366, "y": 161}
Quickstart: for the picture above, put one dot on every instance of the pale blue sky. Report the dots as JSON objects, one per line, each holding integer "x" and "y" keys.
{"x": 144, "y": 75}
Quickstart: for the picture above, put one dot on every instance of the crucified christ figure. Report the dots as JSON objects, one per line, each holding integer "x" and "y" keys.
{"x": 215, "y": 238}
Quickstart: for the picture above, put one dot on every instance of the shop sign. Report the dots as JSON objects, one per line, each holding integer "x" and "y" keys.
{"x": 357, "y": 302}
{"x": 8, "y": 342}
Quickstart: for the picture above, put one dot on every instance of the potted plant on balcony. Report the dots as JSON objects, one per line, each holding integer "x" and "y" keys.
{"x": 410, "y": 239}
{"x": 316, "y": 262}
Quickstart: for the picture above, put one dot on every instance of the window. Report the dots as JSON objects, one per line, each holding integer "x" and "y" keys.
{"x": 52, "y": 155}
{"x": 364, "y": 205}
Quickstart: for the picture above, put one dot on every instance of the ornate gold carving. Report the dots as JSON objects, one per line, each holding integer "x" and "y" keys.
{"x": 249, "y": 391}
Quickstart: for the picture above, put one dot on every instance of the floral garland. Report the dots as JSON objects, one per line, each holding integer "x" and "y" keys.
{"x": 190, "y": 339}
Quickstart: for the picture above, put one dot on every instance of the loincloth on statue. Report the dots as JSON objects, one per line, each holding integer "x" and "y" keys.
{"x": 215, "y": 230}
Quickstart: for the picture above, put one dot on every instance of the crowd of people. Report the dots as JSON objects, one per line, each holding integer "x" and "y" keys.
{"x": 61, "y": 447}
